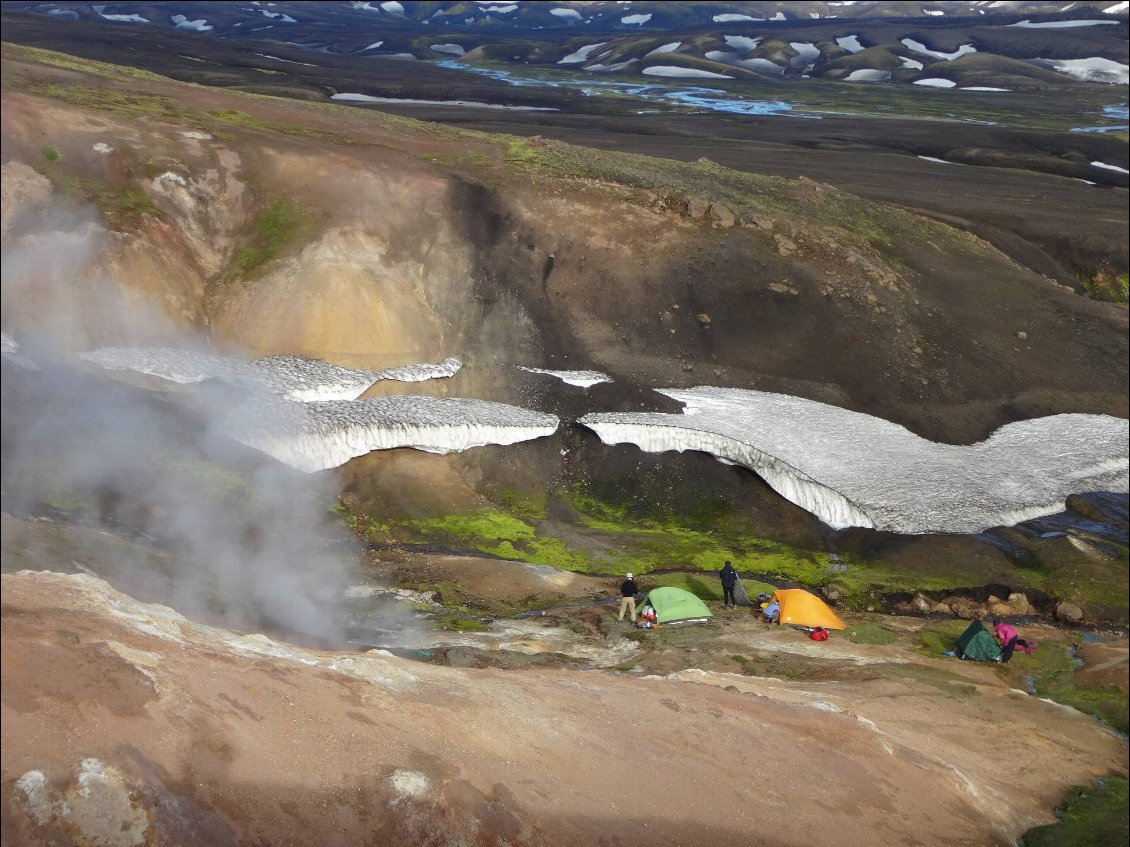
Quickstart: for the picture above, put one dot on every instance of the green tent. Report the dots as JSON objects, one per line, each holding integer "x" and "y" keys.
{"x": 978, "y": 643}
{"x": 674, "y": 605}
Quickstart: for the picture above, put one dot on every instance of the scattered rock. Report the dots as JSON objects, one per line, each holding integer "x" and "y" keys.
{"x": 1068, "y": 613}
{"x": 921, "y": 603}
{"x": 1022, "y": 335}
{"x": 781, "y": 288}
{"x": 785, "y": 246}
{"x": 696, "y": 207}
{"x": 704, "y": 319}
{"x": 722, "y": 215}
{"x": 758, "y": 222}
{"x": 462, "y": 657}
{"x": 965, "y": 608}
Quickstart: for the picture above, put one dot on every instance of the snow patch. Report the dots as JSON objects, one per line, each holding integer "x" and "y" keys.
{"x": 635, "y": 20}
{"x": 807, "y": 53}
{"x": 919, "y": 47}
{"x": 1117, "y": 8}
{"x": 850, "y": 43}
{"x": 912, "y": 64}
{"x": 450, "y": 49}
{"x": 170, "y": 176}
{"x": 125, "y": 19}
{"x": 288, "y": 61}
{"x": 1026, "y": 24}
{"x": 294, "y": 377}
{"x": 616, "y": 66}
{"x": 372, "y": 46}
{"x": 675, "y": 71}
{"x": 582, "y": 379}
{"x": 500, "y": 10}
{"x": 733, "y": 18}
{"x": 570, "y": 14}
{"x": 851, "y": 469}
{"x": 184, "y": 23}
{"x": 936, "y": 160}
{"x": 868, "y": 75}
{"x": 321, "y": 435}
{"x": 742, "y": 42}
{"x": 983, "y": 88}
{"x": 392, "y": 7}
{"x": 1094, "y": 69}
{"x": 1107, "y": 167}
{"x": 102, "y": 147}
{"x": 936, "y": 82}
{"x": 665, "y": 48}
{"x": 581, "y": 55}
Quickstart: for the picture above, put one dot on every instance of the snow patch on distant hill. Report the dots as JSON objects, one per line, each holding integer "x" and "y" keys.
{"x": 581, "y": 55}
{"x": 1107, "y": 167}
{"x": 919, "y": 47}
{"x": 676, "y": 71}
{"x": 181, "y": 22}
{"x": 1094, "y": 69}
{"x": 868, "y": 75}
{"x": 664, "y": 48}
{"x": 1061, "y": 24}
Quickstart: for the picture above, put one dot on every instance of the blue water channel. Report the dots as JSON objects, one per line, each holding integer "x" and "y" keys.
{"x": 694, "y": 96}
{"x": 1110, "y": 113}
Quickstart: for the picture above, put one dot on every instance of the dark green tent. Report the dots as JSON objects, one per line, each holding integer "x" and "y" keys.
{"x": 674, "y": 605}
{"x": 978, "y": 643}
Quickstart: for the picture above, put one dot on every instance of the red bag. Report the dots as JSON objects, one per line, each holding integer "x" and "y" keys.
{"x": 819, "y": 634}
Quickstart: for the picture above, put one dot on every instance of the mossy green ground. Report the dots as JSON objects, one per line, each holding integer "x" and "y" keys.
{"x": 611, "y": 539}
{"x": 1091, "y": 816}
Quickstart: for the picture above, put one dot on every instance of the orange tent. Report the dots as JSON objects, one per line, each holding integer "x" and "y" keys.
{"x": 799, "y": 608}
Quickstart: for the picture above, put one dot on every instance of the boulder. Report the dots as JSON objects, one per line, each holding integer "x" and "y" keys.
{"x": 1068, "y": 613}
{"x": 967, "y": 609}
{"x": 722, "y": 215}
{"x": 921, "y": 603}
{"x": 1015, "y": 606}
{"x": 462, "y": 657}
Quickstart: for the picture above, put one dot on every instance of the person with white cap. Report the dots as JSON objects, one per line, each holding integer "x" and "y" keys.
{"x": 628, "y": 592}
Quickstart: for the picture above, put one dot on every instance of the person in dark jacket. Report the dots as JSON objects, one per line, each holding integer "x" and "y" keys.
{"x": 729, "y": 578}
{"x": 628, "y": 592}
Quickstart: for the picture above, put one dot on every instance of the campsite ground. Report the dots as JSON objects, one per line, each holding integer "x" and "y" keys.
{"x": 531, "y": 734}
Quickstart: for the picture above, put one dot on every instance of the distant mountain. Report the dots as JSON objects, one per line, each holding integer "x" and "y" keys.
{"x": 1017, "y": 44}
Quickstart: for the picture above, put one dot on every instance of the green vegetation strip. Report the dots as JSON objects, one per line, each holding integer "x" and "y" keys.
{"x": 1091, "y": 816}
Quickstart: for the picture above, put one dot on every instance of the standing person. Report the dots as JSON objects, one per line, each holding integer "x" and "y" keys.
{"x": 628, "y": 592}
{"x": 729, "y": 578}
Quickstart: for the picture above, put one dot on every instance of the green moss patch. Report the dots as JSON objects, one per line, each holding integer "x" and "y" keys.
{"x": 281, "y": 225}
{"x": 1091, "y": 816}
